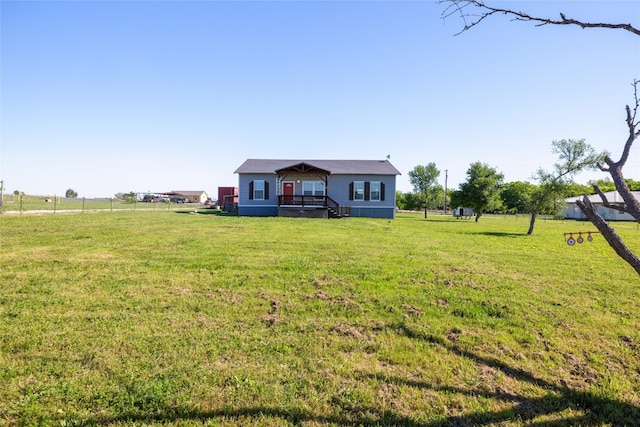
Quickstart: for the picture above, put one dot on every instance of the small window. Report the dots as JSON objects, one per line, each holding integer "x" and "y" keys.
{"x": 358, "y": 190}
{"x": 258, "y": 190}
{"x": 313, "y": 188}
{"x": 307, "y": 188}
{"x": 374, "y": 191}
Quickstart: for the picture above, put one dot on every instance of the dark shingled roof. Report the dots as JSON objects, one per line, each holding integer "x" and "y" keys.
{"x": 340, "y": 167}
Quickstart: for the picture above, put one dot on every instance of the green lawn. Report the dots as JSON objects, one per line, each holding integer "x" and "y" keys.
{"x": 171, "y": 318}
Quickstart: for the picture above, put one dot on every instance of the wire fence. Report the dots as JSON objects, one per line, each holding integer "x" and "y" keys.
{"x": 51, "y": 204}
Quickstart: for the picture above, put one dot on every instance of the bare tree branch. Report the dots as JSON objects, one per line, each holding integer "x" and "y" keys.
{"x": 609, "y": 234}
{"x": 471, "y": 19}
{"x": 605, "y": 201}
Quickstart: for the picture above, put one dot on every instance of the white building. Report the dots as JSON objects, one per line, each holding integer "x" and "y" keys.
{"x": 572, "y": 211}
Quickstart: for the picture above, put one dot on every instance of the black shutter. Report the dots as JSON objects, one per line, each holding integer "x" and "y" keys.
{"x": 351, "y": 191}
{"x": 266, "y": 190}
{"x": 367, "y": 191}
{"x": 382, "y": 191}
{"x": 251, "y": 190}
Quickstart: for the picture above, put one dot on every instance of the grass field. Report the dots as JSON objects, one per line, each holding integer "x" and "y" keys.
{"x": 169, "y": 318}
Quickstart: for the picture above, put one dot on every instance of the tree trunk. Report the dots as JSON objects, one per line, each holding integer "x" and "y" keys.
{"x": 532, "y": 221}
{"x": 425, "y": 212}
{"x": 607, "y": 232}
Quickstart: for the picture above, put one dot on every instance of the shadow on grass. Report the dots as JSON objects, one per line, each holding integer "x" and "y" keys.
{"x": 596, "y": 410}
{"x": 499, "y": 234}
{"x": 206, "y": 211}
{"x": 584, "y": 408}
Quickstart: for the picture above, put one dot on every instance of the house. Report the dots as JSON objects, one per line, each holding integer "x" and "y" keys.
{"x": 572, "y": 211}
{"x": 190, "y": 196}
{"x": 317, "y": 188}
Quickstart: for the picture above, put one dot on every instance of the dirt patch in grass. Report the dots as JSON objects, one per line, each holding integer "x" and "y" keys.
{"x": 272, "y": 317}
{"x": 325, "y": 280}
{"x": 630, "y": 343}
{"x": 413, "y": 311}
{"x": 350, "y": 331}
{"x": 340, "y": 300}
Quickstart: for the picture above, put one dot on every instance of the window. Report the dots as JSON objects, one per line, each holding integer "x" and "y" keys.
{"x": 366, "y": 191}
{"x": 374, "y": 191}
{"x": 358, "y": 190}
{"x": 258, "y": 190}
{"x": 313, "y": 188}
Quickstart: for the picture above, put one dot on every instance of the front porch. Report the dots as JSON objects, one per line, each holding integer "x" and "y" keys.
{"x": 310, "y": 207}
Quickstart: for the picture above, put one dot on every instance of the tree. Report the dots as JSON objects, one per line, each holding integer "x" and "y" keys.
{"x": 607, "y": 185}
{"x": 408, "y": 201}
{"x": 575, "y": 156}
{"x": 472, "y": 13}
{"x": 482, "y": 189}
{"x": 423, "y": 179}
{"x": 575, "y": 190}
{"x": 70, "y": 194}
{"x": 516, "y": 196}
{"x": 129, "y": 197}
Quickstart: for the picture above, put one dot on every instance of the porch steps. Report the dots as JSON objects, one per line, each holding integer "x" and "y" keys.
{"x": 333, "y": 213}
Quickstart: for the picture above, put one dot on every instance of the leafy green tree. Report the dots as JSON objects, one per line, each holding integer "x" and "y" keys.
{"x": 574, "y": 189}
{"x": 424, "y": 181}
{"x": 575, "y": 156}
{"x": 606, "y": 185}
{"x": 129, "y": 197}
{"x": 70, "y": 194}
{"x": 516, "y": 196}
{"x": 481, "y": 191}
{"x": 409, "y": 201}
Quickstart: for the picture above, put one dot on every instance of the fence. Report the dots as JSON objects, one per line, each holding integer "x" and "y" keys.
{"x": 52, "y": 204}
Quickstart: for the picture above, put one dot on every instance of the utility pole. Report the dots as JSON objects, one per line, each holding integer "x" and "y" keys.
{"x": 1, "y": 194}
{"x": 446, "y": 175}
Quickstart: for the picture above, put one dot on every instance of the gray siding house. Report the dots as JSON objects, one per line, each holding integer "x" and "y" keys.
{"x": 572, "y": 211}
{"x": 317, "y": 188}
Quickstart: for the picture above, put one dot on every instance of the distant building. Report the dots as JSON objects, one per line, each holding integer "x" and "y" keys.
{"x": 190, "y": 196}
{"x": 572, "y": 211}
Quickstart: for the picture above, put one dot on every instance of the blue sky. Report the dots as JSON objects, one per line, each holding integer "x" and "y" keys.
{"x": 116, "y": 96}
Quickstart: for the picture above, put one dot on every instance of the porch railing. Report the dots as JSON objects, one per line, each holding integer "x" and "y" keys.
{"x": 303, "y": 200}
{"x": 319, "y": 201}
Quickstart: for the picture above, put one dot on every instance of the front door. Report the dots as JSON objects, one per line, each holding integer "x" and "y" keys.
{"x": 288, "y": 190}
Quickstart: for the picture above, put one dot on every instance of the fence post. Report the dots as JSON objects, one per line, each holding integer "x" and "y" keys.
{"x": 112, "y": 204}
{"x": 83, "y": 205}
{"x": 55, "y": 203}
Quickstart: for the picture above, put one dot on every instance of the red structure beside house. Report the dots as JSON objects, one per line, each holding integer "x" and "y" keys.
{"x": 228, "y": 198}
